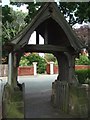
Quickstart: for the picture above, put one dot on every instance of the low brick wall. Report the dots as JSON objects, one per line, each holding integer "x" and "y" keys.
{"x": 27, "y": 70}
{"x": 55, "y": 69}
{"x": 80, "y": 67}
{"x": 77, "y": 67}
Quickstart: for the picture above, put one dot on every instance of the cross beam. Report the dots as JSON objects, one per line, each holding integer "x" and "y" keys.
{"x": 44, "y": 48}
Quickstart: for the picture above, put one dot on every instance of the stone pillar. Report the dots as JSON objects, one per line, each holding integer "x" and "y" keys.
{"x": 35, "y": 68}
{"x": 51, "y": 68}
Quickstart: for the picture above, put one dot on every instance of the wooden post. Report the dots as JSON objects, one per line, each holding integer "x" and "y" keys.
{"x": 63, "y": 65}
{"x": 10, "y": 68}
{"x": 15, "y": 71}
{"x": 71, "y": 67}
{"x": 62, "y": 88}
{"x": 37, "y": 38}
{"x": 46, "y": 35}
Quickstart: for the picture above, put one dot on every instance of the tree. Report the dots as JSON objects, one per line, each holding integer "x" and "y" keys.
{"x": 76, "y": 12}
{"x": 50, "y": 57}
{"x": 12, "y": 23}
{"x": 83, "y": 33}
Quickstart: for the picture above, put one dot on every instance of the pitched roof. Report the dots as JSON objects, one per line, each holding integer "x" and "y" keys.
{"x": 48, "y": 10}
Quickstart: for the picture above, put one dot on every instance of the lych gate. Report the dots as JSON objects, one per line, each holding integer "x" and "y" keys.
{"x": 59, "y": 39}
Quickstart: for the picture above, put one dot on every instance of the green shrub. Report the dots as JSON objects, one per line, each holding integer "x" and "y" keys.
{"x": 83, "y": 76}
{"x": 83, "y": 60}
{"x": 28, "y": 61}
{"x": 24, "y": 61}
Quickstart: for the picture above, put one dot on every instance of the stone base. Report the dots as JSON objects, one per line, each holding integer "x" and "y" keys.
{"x": 70, "y": 98}
{"x": 12, "y": 102}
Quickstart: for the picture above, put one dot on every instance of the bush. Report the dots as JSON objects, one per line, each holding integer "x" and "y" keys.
{"x": 28, "y": 61}
{"x": 83, "y": 60}
{"x": 83, "y": 76}
{"x": 24, "y": 61}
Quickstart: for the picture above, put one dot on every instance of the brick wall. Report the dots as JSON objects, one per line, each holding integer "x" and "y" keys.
{"x": 27, "y": 70}
{"x": 77, "y": 67}
{"x": 48, "y": 69}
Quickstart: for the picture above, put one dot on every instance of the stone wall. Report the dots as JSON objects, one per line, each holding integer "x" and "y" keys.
{"x": 3, "y": 70}
{"x": 70, "y": 98}
{"x": 27, "y": 70}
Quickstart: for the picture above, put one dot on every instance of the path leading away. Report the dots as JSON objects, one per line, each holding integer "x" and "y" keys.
{"x": 38, "y": 95}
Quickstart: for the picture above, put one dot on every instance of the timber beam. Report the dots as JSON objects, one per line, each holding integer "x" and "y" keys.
{"x": 44, "y": 48}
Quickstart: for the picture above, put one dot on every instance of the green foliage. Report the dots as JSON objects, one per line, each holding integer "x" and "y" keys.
{"x": 80, "y": 10}
{"x": 83, "y": 60}
{"x": 83, "y": 76}
{"x": 33, "y": 8}
{"x": 76, "y": 12}
{"x": 12, "y": 23}
{"x": 6, "y": 14}
{"x": 28, "y": 60}
{"x": 79, "y": 100}
{"x": 50, "y": 57}
{"x": 24, "y": 61}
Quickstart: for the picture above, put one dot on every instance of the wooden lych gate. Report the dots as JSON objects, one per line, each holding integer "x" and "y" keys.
{"x": 59, "y": 39}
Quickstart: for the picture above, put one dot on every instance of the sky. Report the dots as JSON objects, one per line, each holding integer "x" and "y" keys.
{"x": 5, "y": 2}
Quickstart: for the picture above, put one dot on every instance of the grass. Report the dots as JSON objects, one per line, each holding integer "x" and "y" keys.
{"x": 13, "y": 103}
{"x": 13, "y": 110}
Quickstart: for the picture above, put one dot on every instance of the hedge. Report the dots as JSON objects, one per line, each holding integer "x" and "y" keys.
{"x": 83, "y": 76}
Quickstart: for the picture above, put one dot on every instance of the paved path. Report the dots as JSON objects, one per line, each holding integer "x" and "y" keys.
{"x": 38, "y": 96}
